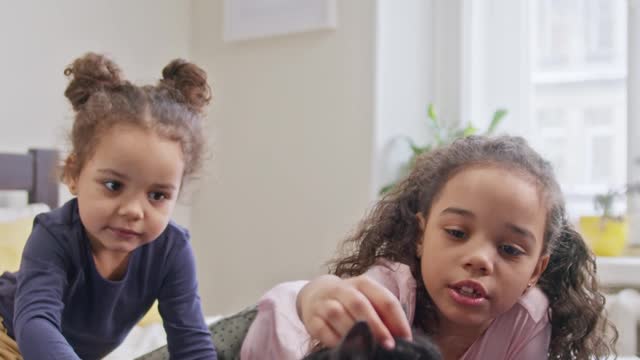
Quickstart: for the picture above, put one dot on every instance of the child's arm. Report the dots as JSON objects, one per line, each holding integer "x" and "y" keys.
{"x": 278, "y": 332}
{"x": 179, "y": 303}
{"x": 38, "y": 303}
{"x": 330, "y": 306}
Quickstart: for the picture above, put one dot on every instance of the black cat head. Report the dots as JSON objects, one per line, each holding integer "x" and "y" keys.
{"x": 359, "y": 344}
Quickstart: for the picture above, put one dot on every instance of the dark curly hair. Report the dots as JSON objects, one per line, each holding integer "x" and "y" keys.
{"x": 101, "y": 99}
{"x": 391, "y": 229}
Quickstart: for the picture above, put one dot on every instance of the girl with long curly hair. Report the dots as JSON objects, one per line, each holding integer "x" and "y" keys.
{"x": 473, "y": 248}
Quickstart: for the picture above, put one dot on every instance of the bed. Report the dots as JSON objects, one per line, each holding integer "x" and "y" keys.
{"x": 33, "y": 172}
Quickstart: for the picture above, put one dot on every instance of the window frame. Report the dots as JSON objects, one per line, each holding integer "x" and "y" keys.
{"x": 478, "y": 85}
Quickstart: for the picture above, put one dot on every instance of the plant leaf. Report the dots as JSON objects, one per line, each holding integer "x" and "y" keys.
{"x": 417, "y": 150}
{"x": 386, "y": 189}
{"x": 435, "y": 124}
{"x": 443, "y": 134}
{"x": 497, "y": 118}
{"x": 469, "y": 130}
{"x": 411, "y": 144}
{"x": 431, "y": 112}
{"x": 604, "y": 203}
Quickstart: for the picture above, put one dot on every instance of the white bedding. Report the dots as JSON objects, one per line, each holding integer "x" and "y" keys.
{"x": 21, "y": 212}
{"x": 143, "y": 339}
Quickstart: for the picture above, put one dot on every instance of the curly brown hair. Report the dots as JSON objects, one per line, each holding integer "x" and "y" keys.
{"x": 102, "y": 98}
{"x": 391, "y": 230}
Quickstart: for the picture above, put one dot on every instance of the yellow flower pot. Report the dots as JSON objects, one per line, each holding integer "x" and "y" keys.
{"x": 606, "y": 237}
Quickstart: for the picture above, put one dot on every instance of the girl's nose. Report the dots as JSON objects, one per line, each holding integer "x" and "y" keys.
{"x": 479, "y": 260}
{"x": 132, "y": 209}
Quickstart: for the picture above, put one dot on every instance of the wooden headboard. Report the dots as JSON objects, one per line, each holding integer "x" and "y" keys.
{"x": 34, "y": 172}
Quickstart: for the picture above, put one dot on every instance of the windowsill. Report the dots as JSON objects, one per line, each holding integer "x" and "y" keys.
{"x": 567, "y": 76}
{"x": 619, "y": 271}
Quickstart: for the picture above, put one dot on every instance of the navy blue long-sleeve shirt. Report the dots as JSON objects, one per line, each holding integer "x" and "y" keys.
{"x": 62, "y": 308}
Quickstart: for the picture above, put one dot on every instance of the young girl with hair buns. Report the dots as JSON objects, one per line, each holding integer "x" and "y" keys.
{"x": 93, "y": 267}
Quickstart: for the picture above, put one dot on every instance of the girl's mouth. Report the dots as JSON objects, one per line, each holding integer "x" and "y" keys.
{"x": 124, "y": 233}
{"x": 470, "y": 288}
{"x": 465, "y": 300}
{"x": 468, "y": 292}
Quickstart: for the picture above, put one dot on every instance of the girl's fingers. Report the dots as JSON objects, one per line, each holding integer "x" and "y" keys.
{"x": 360, "y": 308}
{"x": 330, "y": 306}
{"x": 337, "y": 316}
{"x": 320, "y": 330}
{"x": 387, "y": 306}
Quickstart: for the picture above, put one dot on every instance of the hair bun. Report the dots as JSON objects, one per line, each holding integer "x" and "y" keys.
{"x": 89, "y": 74}
{"x": 190, "y": 81}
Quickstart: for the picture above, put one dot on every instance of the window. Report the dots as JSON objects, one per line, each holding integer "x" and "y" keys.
{"x": 578, "y": 91}
{"x": 560, "y": 69}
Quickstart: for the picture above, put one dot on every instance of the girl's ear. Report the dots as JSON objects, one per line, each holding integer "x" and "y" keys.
{"x": 539, "y": 269}
{"x": 72, "y": 185}
{"x": 70, "y": 180}
{"x": 422, "y": 222}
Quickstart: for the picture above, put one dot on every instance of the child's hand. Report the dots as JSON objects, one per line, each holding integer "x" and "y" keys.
{"x": 329, "y": 306}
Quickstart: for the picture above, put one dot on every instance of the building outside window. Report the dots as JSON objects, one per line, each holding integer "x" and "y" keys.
{"x": 578, "y": 91}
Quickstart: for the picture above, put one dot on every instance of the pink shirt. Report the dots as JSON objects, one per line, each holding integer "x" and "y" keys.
{"x": 521, "y": 333}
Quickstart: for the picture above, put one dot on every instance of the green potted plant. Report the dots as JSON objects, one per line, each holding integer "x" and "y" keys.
{"x": 607, "y": 231}
{"x": 441, "y": 134}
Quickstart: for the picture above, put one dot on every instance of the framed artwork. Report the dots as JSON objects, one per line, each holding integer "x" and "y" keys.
{"x": 253, "y": 19}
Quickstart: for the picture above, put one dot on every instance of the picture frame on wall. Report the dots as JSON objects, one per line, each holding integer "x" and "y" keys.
{"x": 255, "y": 19}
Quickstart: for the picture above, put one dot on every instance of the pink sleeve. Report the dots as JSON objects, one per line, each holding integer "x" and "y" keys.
{"x": 277, "y": 332}
{"x": 537, "y": 347}
{"x": 398, "y": 279}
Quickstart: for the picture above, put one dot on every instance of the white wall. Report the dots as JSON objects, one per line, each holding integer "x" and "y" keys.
{"x": 403, "y": 82}
{"x": 303, "y": 127}
{"x": 633, "y": 115}
{"x": 39, "y": 38}
{"x": 292, "y": 125}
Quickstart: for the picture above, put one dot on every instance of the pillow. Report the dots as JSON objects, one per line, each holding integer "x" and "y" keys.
{"x": 227, "y": 333}
{"x": 27, "y": 211}
{"x": 15, "y": 227}
{"x": 152, "y": 316}
{"x": 13, "y": 236}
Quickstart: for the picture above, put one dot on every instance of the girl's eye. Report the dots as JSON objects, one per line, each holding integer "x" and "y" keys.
{"x": 510, "y": 250}
{"x": 157, "y": 196}
{"x": 112, "y": 185}
{"x": 458, "y": 234}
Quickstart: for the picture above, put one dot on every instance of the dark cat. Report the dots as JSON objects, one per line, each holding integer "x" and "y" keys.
{"x": 359, "y": 344}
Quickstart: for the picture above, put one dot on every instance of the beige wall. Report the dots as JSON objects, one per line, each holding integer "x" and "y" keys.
{"x": 292, "y": 125}
{"x": 292, "y": 131}
{"x": 39, "y": 38}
